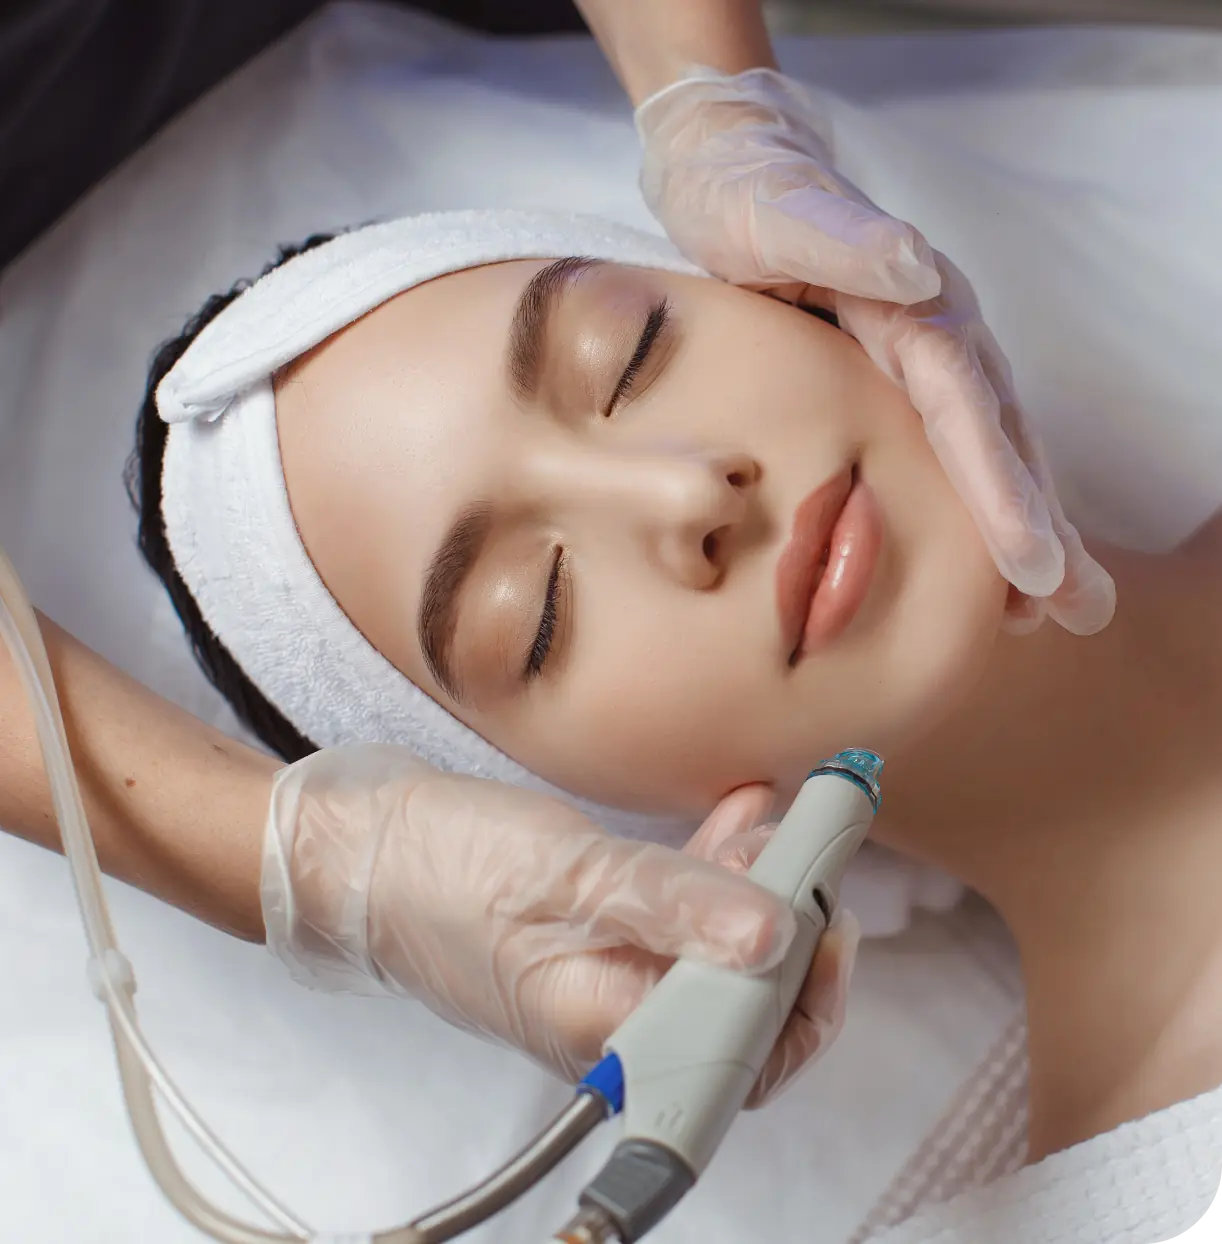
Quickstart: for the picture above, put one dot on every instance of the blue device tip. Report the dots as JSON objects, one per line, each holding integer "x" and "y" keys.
{"x": 859, "y": 764}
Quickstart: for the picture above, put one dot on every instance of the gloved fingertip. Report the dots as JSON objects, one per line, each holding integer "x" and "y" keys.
{"x": 733, "y": 818}
{"x": 1088, "y": 613}
{"x": 827, "y": 1011}
{"x": 1024, "y": 615}
{"x": 743, "y": 928}
{"x": 914, "y": 271}
{"x": 1084, "y": 603}
{"x": 1038, "y": 569}
{"x": 846, "y": 925}
{"x": 828, "y": 1016}
{"x": 847, "y": 929}
{"x": 745, "y": 808}
{"x": 761, "y": 941}
{"x": 1022, "y": 625}
{"x": 1099, "y": 598}
{"x": 738, "y": 852}
{"x": 895, "y": 278}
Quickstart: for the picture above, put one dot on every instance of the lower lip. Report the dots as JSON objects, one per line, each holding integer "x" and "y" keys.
{"x": 852, "y": 556}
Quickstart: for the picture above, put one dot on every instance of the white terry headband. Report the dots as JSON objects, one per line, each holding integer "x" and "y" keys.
{"x": 236, "y": 546}
{"x": 226, "y": 505}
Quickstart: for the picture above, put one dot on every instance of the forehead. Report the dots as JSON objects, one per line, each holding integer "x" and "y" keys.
{"x": 397, "y": 403}
{"x": 388, "y": 427}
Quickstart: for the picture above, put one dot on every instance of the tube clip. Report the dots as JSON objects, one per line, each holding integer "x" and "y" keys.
{"x": 111, "y": 971}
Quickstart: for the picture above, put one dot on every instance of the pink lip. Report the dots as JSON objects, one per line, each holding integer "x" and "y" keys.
{"x": 816, "y": 602}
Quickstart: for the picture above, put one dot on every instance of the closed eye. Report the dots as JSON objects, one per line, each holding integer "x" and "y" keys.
{"x": 655, "y": 326}
{"x": 539, "y": 650}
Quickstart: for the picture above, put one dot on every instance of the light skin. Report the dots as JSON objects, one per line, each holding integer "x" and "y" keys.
{"x": 1065, "y": 779}
{"x": 1093, "y": 821}
{"x": 178, "y": 808}
{"x": 662, "y": 512}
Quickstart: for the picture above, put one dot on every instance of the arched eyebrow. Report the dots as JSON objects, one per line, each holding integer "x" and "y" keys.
{"x": 528, "y": 329}
{"x": 459, "y": 551}
{"x": 449, "y": 569}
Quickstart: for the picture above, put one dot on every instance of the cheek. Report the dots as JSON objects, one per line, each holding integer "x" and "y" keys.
{"x": 947, "y": 625}
{"x": 770, "y": 377}
{"x": 652, "y": 709}
{"x": 949, "y": 598}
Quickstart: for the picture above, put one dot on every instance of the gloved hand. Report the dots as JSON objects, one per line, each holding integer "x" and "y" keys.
{"x": 818, "y": 1013}
{"x": 739, "y": 173}
{"x": 508, "y": 913}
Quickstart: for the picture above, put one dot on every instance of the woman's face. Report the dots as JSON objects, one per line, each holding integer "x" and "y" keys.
{"x": 583, "y": 506}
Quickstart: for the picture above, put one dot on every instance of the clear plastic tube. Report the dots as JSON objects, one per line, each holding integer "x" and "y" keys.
{"x": 110, "y": 972}
{"x": 139, "y": 1070}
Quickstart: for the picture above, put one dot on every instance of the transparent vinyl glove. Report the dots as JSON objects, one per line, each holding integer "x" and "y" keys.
{"x": 508, "y": 913}
{"x": 740, "y": 173}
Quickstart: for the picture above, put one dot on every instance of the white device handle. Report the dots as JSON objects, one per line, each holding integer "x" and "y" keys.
{"x": 692, "y": 1051}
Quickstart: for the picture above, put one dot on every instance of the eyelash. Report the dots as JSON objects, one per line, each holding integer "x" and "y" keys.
{"x": 539, "y": 650}
{"x": 655, "y": 325}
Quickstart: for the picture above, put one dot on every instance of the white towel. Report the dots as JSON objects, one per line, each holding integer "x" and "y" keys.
{"x": 231, "y": 529}
{"x": 1146, "y": 1181}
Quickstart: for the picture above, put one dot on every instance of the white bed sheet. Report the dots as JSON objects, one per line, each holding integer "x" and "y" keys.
{"x": 1036, "y": 159}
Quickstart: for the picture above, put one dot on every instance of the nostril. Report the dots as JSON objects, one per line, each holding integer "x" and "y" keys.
{"x": 740, "y": 471}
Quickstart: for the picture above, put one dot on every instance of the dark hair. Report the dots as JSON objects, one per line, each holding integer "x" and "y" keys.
{"x": 143, "y": 480}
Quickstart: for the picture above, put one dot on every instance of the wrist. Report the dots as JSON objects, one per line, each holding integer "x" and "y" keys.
{"x": 651, "y": 44}
{"x": 238, "y": 904}
{"x": 320, "y": 856}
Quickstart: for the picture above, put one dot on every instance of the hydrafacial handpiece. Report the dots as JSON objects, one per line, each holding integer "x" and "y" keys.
{"x": 687, "y": 1058}
{"x": 679, "y": 1069}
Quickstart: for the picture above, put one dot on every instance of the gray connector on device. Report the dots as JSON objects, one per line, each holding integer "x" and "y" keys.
{"x": 640, "y": 1184}
{"x": 692, "y": 1051}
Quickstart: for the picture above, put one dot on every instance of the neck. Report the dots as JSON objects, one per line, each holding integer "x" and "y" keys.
{"x": 1075, "y": 791}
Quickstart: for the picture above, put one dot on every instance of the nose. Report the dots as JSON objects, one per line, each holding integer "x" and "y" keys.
{"x": 684, "y": 506}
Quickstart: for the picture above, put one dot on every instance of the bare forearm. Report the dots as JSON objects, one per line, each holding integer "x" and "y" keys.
{"x": 176, "y": 807}
{"x": 650, "y": 42}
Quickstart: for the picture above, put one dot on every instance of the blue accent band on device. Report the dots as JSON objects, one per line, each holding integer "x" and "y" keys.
{"x": 607, "y": 1080}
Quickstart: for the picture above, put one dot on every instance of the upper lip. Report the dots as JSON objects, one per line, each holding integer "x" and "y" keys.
{"x": 798, "y": 569}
